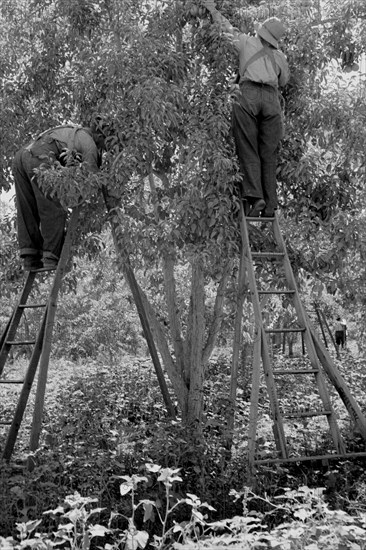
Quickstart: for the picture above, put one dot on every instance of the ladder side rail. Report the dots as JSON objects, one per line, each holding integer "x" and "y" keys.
{"x": 312, "y": 458}
{"x": 331, "y": 418}
{"x": 47, "y": 341}
{"x": 254, "y": 404}
{"x": 330, "y": 333}
{"x": 340, "y": 385}
{"x": 321, "y": 325}
{"x": 141, "y": 309}
{"x": 275, "y": 409}
{"x": 24, "y": 394}
{"x": 278, "y": 429}
{"x": 237, "y": 342}
{"x": 12, "y": 327}
{"x": 304, "y": 320}
{"x": 291, "y": 281}
{"x": 145, "y": 323}
{"x": 4, "y": 335}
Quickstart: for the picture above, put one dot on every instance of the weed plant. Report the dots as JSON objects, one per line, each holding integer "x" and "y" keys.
{"x": 114, "y": 472}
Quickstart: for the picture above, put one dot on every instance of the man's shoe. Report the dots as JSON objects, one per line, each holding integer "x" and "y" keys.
{"x": 50, "y": 263}
{"x": 257, "y": 208}
{"x": 247, "y": 207}
{"x": 32, "y": 263}
{"x": 268, "y": 213}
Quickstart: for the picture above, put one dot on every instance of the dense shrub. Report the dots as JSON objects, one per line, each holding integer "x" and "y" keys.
{"x": 103, "y": 424}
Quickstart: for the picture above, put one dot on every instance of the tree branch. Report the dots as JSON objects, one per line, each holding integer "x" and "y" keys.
{"x": 174, "y": 374}
{"x": 217, "y": 315}
{"x": 174, "y": 320}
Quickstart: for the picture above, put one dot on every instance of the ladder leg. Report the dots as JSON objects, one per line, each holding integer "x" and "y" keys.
{"x": 236, "y": 349}
{"x": 340, "y": 385}
{"x": 254, "y": 404}
{"x": 318, "y": 356}
{"x": 304, "y": 320}
{"x": 278, "y": 428}
{"x": 321, "y": 325}
{"x": 50, "y": 318}
{"x": 331, "y": 335}
{"x": 42, "y": 346}
{"x": 23, "y": 398}
{"x": 14, "y": 321}
{"x": 4, "y": 337}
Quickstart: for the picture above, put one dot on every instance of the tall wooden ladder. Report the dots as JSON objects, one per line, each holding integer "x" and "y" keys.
{"x": 41, "y": 347}
{"x": 263, "y": 251}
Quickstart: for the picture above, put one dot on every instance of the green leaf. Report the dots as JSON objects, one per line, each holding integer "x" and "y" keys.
{"x": 98, "y": 531}
{"x": 125, "y": 488}
{"x": 148, "y": 506}
{"x": 137, "y": 540}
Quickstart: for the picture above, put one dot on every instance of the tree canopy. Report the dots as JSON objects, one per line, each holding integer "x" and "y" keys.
{"x": 157, "y": 78}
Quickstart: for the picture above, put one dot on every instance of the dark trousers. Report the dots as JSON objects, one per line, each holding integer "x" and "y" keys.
{"x": 339, "y": 338}
{"x": 41, "y": 221}
{"x": 258, "y": 128}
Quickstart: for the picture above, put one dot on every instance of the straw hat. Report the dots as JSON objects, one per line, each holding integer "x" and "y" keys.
{"x": 271, "y": 30}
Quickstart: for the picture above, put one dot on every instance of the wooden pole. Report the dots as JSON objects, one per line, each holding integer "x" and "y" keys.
{"x": 131, "y": 280}
{"x": 237, "y": 343}
{"x": 24, "y": 394}
{"x": 340, "y": 385}
{"x": 321, "y": 325}
{"x": 254, "y": 404}
{"x": 330, "y": 334}
{"x": 47, "y": 340}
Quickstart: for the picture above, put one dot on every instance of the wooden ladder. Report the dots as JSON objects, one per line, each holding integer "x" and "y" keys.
{"x": 41, "y": 346}
{"x": 318, "y": 362}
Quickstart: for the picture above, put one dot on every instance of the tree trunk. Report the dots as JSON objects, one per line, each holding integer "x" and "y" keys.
{"x": 184, "y": 359}
{"x": 195, "y": 396}
{"x": 174, "y": 318}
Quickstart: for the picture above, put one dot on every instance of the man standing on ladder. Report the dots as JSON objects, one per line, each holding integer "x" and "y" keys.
{"x": 257, "y": 115}
{"x": 41, "y": 220}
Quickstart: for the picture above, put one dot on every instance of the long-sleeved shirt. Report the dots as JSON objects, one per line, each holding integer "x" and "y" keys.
{"x": 68, "y": 137}
{"x": 262, "y": 69}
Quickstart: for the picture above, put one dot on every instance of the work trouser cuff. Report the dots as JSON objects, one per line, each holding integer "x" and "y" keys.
{"x": 50, "y": 255}
{"x": 29, "y": 252}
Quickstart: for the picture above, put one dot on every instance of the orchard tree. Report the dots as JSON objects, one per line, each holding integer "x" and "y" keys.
{"x": 156, "y": 76}
{"x": 158, "y": 107}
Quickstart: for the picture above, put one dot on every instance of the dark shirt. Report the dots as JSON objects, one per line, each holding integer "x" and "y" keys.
{"x": 67, "y": 137}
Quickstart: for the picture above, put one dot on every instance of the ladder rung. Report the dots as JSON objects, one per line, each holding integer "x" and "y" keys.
{"x": 296, "y": 371}
{"x": 23, "y": 343}
{"x": 309, "y": 458}
{"x": 279, "y": 330}
{"x": 258, "y": 219}
{"x": 43, "y": 269}
{"x": 307, "y": 414}
{"x": 5, "y": 423}
{"x": 11, "y": 381}
{"x": 276, "y": 292}
{"x": 269, "y": 255}
{"x": 26, "y": 306}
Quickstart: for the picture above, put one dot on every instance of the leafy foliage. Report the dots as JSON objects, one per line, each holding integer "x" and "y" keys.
{"x": 157, "y": 78}
{"x": 104, "y": 422}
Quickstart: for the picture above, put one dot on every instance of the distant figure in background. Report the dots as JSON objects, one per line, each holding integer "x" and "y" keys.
{"x": 340, "y": 333}
{"x": 41, "y": 220}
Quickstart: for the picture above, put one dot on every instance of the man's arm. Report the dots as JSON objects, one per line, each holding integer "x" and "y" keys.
{"x": 85, "y": 144}
{"x": 284, "y": 75}
{"x": 225, "y": 26}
